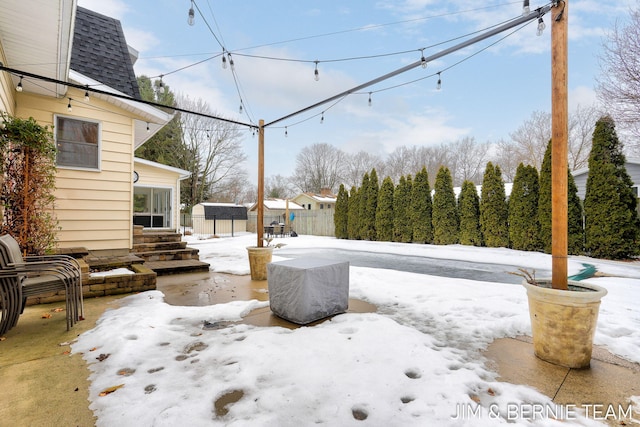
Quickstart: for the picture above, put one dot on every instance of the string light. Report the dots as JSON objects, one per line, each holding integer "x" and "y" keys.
{"x": 224, "y": 61}
{"x": 423, "y": 59}
{"x": 369, "y": 99}
{"x": 69, "y": 109}
{"x": 161, "y": 84}
{"x": 192, "y": 15}
{"x": 525, "y": 7}
{"x": 148, "y": 130}
{"x": 240, "y": 109}
{"x": 86, "y": 95}
{"x": 19, "y": 87}
{"x": 541, "y": 26}
{"x": 286, "y": 132}
{"x": 322, "y": 118}
{"x": 316, "y": 73}
{"x": 439, "y": 84}
{"x": 230, "y": 61}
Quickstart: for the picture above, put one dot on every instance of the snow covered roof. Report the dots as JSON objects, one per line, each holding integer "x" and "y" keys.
{"x": 278, "y": 204}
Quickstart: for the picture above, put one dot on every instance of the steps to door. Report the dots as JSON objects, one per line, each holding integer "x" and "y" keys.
{"x": 165, "y": 252}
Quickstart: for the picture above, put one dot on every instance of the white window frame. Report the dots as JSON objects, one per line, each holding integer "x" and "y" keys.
{"x": 80, "y": 119}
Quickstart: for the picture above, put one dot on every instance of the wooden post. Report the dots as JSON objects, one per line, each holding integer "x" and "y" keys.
{"x": 559, "y": 143}
{"x": 260, "y": 217}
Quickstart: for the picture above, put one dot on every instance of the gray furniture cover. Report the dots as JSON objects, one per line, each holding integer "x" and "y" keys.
{"x": 308, "y": 289}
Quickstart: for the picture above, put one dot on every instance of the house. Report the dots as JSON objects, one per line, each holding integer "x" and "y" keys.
{"x": 311, "y": 201}
{"x": 632, "y": 166}
{"x": 280, "y": 211}
{"x": 218, "y": 218}
{"x": 101, "y": 190}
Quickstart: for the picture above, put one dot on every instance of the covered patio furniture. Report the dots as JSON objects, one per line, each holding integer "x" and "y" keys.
{"x": 44, "y": 274}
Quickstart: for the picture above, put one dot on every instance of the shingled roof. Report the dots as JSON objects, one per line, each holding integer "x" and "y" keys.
{"x": 100, "y": 52}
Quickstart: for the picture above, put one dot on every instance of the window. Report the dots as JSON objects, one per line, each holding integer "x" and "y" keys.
{"x": 78, "y": 143}
{"x": 321, "y": 206}
{"x": 328, "y": 205}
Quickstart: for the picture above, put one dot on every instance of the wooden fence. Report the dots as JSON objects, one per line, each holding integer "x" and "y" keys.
{"x": 314, "y": 223}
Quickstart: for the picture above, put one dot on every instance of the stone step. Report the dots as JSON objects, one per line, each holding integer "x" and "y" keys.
{"x": 160, "y": 246}
{"x": 169, "y": 255}
{"x": 156, "y": 237}
{"x": 164, "y": 268}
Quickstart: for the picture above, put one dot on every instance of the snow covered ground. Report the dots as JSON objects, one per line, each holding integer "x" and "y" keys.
{"x": 416, "y": 362}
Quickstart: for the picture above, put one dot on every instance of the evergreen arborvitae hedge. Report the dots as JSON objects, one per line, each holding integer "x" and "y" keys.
{"x": 494, "y": 211}
{"x": 575, "y": 229}
{"x": 401, "y": 213}
{"x": 445, "y": 214}
{"x": 340, "y": 215}
{"x": 469, "y": 210}
{"x": 575, "y": 226}
{"x": 523, "y": 210}
{"x": 353, "y": 216}
{"x": 611, "y": 221}
{"x": 421, "y": 208}
{"x": 384, "y": 213}
{"x": 544, "y": 201}
{"x": 369, "y": 219}
{"x": 363, "y": 195}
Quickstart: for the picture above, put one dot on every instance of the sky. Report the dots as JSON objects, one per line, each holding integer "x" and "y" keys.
{"x": 414, "y": 362}
{"x": 496, "y": 87}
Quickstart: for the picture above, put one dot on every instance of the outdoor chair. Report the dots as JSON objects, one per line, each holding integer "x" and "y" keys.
{"x": 44, "y": 274}
{"x": 10, "y": 300}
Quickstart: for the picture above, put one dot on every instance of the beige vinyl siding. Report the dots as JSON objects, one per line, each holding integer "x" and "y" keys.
{"x": 93, "y": 207}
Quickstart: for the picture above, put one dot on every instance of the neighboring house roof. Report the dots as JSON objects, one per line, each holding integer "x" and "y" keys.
{"x": 278, "y": 205}
{"x": 220, "y": 211}
{"x": 100, "y": 52}
{"x": 319, "y": 198}
{"x": 582, "y": 171}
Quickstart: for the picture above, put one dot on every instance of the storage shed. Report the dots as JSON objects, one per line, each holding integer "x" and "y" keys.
{"x": 219, "y": 218}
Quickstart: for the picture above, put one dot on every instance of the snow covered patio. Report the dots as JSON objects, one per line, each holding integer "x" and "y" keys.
{"x": 424, "y": 357}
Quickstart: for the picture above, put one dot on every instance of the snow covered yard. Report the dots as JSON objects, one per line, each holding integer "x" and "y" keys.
{"x": 416, "y": 362}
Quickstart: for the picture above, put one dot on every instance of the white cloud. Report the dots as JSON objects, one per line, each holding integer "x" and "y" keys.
{"x": 112, "y": 8}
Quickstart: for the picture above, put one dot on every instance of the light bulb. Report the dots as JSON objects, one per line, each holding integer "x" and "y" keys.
{"x": 224, "y": 62}
{"x": 240, "y": 109}
{"x": 424, "y": 62}
{"x": 369, "y": 99}
{"x": 230, "y": 61}
{"x": 19, "y": 87}
{"x": 148, "y": 130}
{"x": 322, "y": 118}
{"x": 316, "y": 73}
{"x": 541, "y": 26}
{"x": 439, "y": 85}
{"x": 69, "y": 109}
{"x": 192, "y": 15}
{"x": 525, "y": 7}
{"x": 86, "y": 96}
{"x": 286, "y": 132}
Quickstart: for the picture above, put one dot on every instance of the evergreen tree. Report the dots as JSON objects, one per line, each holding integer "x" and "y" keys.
{"x": 363, "y": 194}
{"x": 523, "y": 210}
{"x": 494, "y": 211}
{"x": 353, "y": 216}
{"x": 544, "y": 201}
{"x": 401, "y": 214}
{"x": 384, "y": 212}
{"x": 611, "y": 220}
{"x": 446, "y": 224}
{"x": 421, "y": 208}
{"x": 469, "y": 210}
{"x": 369, "y": 218}
{"x": 575, "y": 227}
{"x": 341, "y": 214}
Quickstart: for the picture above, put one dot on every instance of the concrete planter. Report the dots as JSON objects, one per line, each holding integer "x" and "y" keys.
{"x": 563, "y": 323}
{"x": 258, "y": 260}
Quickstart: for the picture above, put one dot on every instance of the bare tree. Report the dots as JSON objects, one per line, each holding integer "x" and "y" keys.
{"x": 356, "y": 165}
{"x": 582, "y": 123}
{"x": 507, "y": 157}
{"x": 532, "y": 137}
{"x": 278, "y": 187}
{"x": 619, "y": 83}
{"x": 214, "y": 152}
{"x": 318, "y": 166}
{"x": 468, "y": 160}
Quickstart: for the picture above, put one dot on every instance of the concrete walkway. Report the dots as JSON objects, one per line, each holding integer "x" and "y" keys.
{"x": 43, "y": 385}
